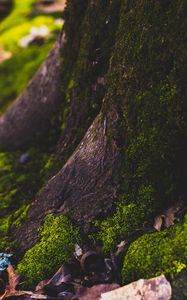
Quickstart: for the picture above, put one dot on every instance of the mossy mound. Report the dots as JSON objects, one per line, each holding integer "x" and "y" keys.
{"x": 127, "y": 219}
{"x": 56, "y": 245}
{"x": 158, "y": 253}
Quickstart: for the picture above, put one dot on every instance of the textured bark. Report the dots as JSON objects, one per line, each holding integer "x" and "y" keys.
{"x": 86, "y": 57}
{"x": 87, "y": 183}
{"x": 29, "y": 118}
{"x": 84, "y": 188}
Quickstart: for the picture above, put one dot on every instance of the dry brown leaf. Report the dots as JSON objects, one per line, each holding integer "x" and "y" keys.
{"x": 158, "y": 221}
{"x": 9, "y": 293}
{"x": 13, "y": 278}
{"x": 169, "y": 216}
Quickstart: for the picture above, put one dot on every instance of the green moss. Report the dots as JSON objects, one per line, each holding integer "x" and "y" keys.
{"x": 18, "y": 15}
{"x": 27, "y": 61}
{"x": 146, "y": 85}
{"x": 127, "y": 220}
{"x": 4, "y": 226}
{"x": 56, "y": 245}
{"x": 48, "y": 165}
{"x": 10, "y": 38}
{"x": 19, "y": 182}
{"x": 16, "y": 72}
{"x": 5, "y": 164}
{"x": 19, "y": 217}
{"x": 4, "y": 232}
{"x": 158, "y": 253}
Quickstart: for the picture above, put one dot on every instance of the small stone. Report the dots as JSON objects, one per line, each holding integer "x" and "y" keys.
{"x": 94, "y": 293}
{"x": 78, "y": 251}
{"x": 152, "y": 289}
{"x": 24, "y": 158}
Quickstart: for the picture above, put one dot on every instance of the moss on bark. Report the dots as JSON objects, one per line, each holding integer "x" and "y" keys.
{"x": 146, "y": 82}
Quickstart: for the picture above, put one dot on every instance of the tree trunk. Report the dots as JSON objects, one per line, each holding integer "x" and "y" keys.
{"x": 85, "y": 187}
{"x": 124, "y": 118}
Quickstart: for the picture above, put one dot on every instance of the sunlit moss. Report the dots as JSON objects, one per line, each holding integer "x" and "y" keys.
{"x": 56, "y": 245}
{"x": 158, "y": 253}
{"x": 11, "y": 37}
{"x": 16, "y": 72}
{"x": 128, "y": 218}
{"x": 26, "y": 62}
{"x": 19, "y": 217}
{"x": 18, "y": 15}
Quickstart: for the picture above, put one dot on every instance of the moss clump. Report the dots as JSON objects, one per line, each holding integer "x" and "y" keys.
{"x": 129, "y": 217}
{"x": 158, "y": 253}
{"x": 57, "y": 241}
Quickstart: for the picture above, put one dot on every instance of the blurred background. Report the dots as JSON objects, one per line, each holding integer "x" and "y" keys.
{"x": 28, "y": 29}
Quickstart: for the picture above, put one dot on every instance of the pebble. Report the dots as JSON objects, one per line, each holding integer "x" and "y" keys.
{"x": 24, "y": 158}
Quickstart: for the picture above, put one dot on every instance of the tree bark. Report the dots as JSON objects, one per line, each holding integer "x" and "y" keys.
{"x": 85, "y": 187}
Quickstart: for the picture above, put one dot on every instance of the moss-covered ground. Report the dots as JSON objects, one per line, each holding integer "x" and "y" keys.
{"x": 56, "y": 245}
{"x": 16, "y": 72}
{"x": 157, "y": 253}
{"x": 19, "y": 184}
